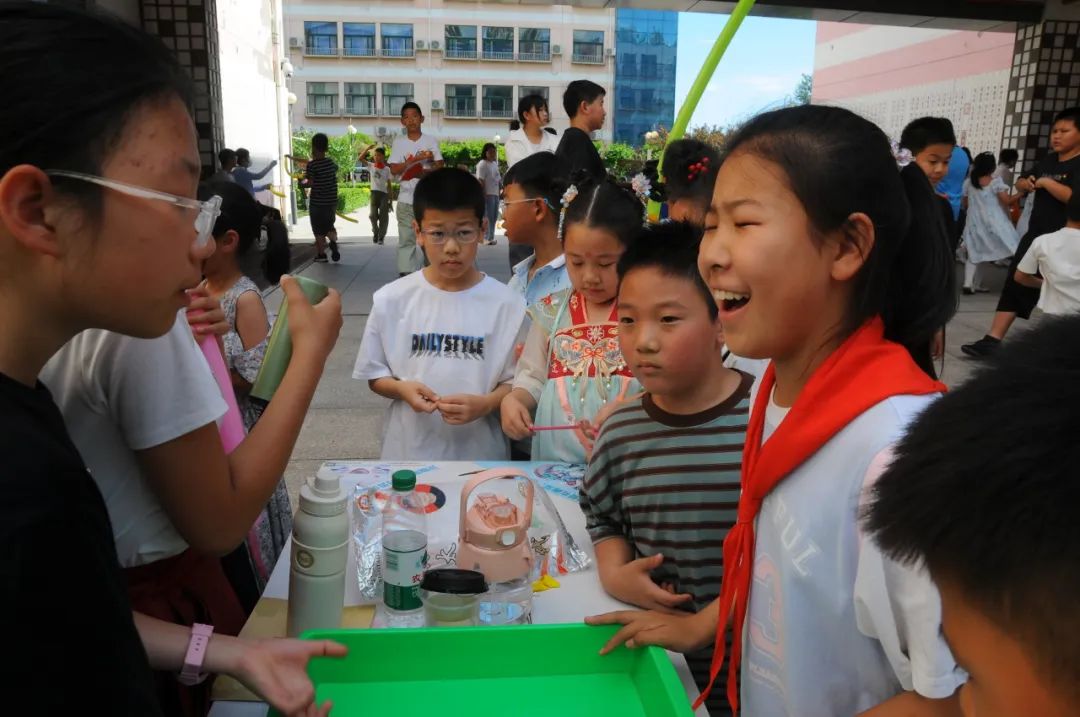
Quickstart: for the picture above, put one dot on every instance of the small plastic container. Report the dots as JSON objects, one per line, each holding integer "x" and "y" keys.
{"x": 451, "y": 597}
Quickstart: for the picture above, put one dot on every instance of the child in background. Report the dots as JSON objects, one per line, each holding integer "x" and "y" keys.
{"x": 583, "y": 101}
{"x": 989, "y": 234}
{"x": 931, "y": 141}
{"x": 571, "y": 365}
{"x": 245, "y": 177}
{"x": 662, "y": 486}
{"x": 245, "y": 346}
{"x": 487, "y": 172}
{"x": 690, "y": 170}
{"x": 832, "y": 626}
{"x": 1056, "y": 258}
{"x": 411, "y": 157}
{"x": 440, "y": 342}
{"x": 320, "y": 176}
{"x": 1006, "y": 562}
{"x": 533, "y": 189}
{"x": 379, "y": 212}
{"x": 1006, "y": 165}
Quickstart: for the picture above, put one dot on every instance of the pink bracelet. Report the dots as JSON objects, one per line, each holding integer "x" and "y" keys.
{"x": 192, "y": 673}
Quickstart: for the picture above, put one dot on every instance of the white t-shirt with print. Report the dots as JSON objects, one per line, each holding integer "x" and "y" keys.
{"x": 380, "y": 177}
{"x": 1056, "y": 256}
{"x": 119, "y": 395}
{"x": 451, "y": 341}
{"x": 405, "y": 147}
{"x": 834, "y": 627}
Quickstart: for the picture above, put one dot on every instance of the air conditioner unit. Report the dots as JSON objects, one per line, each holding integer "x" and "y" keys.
{"x": 556, "y": 49}
{"x": 420, "y": 45}
{"x": 380, "y": 131}
{"x": 436, "y": 105}
{"x": 610, "y": 52}
{"x": 295, "y": 42}
{"x": 435, "y": 45}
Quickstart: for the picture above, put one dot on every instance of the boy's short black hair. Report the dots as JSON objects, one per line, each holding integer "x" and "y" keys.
{"x": 320, "y": 142}
{"x": 1069, "y": 113}
{"x": 984, "y": 490}
{"x": 1072, "y": 208}
{"x": 226, "y": 156}
{"x": 671, "y": 248}
{"x": 682, "y": 182}
{"x": 1009, "y": 156}
{"x": 580, "y": 91}
{"x": 540, "y": 176}
{"x": 448, "y": 189}
{"x": 925, "y": 131}
{"x": 412, "y": 106}
{"x": 381, "y": 150}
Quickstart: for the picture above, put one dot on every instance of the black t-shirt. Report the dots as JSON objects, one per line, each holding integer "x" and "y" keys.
{"x": 577, "y": 151}
{"x": 64, "y": 611}
{"x": 1048, "y": 214}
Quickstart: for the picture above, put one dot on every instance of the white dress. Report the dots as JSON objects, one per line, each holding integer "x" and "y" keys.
{"x": 989, "y": 234}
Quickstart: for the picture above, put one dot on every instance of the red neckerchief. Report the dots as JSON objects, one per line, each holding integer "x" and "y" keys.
{"x": 862, "y": 372}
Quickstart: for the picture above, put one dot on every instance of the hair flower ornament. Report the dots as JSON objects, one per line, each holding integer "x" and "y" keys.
{"x": 902, "y": 155}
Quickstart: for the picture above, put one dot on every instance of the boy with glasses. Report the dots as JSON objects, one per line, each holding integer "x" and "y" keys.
{"x": 439, "y": 343}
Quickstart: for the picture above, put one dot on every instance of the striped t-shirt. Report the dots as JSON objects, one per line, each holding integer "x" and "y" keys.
{"x": 323, "y": 176}
{"x": 669, "y": 484}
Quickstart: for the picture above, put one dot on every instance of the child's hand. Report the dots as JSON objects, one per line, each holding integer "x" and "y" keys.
{"x": 419, "y": 397}
{"x": 679, "y": 632}
{"x": 632, "y": 583}
{"x": 276, "y": 670}
{"x": 462, "y": 408}
{"x": 516, "y": 418}
{"x": 314, "y": 329}
{"x": 204, "y": 313}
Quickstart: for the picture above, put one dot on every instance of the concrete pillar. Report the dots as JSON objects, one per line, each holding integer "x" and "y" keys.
{"x": 1045, "y": 79}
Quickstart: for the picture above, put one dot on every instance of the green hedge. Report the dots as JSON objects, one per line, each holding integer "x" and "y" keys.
{"x": 349, "y": 199}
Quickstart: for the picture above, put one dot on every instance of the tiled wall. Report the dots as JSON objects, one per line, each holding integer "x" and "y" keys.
{"x": 1044, "y": 80}
{"x": 189, "y": 27}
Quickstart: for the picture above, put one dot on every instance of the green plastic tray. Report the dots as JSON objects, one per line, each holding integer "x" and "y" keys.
{"x": 523, "y": 671}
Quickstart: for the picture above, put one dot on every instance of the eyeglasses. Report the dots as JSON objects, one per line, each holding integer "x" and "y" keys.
{"x": 504, "y": 203}
{"x": 461, "y": 236}
{"x": 208, "y": 211}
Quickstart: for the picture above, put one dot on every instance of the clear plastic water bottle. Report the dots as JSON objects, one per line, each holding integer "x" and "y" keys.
{"x": 404, "y": 552}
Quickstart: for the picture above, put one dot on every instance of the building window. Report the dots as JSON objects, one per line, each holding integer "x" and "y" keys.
{"x": 628, "y": 64}
{"x": 397, "y": 40}
{"x": 460, "y": 42}
{"x": 626, "y": 99}
{"x": 322, "y": 99}
{"x": 534, "y": 44}
{"x": 649, "y": 69}
{"x": 394, "y": 95}
{"x": 526, "y": 90}
{"x": 358, "y": 39}
{"x": 589, "y": 46}
{"x": 461, "y": 100}
{"x": 320, "y": 38}
{"x": 499, "y": 101}
{"x": 498, "y": 43}
{"x": 360, "y": 99}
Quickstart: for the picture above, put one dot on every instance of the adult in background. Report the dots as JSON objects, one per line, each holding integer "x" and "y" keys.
{"x": 245, "y": 177}
{"x": 529, "y": 134}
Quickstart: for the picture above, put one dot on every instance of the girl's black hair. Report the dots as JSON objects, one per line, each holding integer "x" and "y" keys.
{"x": 484, "y": 151}
{"x": 605, "y": 204}
{"x": 239, "y": 212}
{"x": 525, "y": 104}
{"x": 62, "y": 111}
{"x": 908, "y": 276}
{"x": 690, "y": 169}
{"x": 982, "y": 166}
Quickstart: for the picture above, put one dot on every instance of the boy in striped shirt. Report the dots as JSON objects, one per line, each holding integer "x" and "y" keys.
{"x": 662, "y": 486}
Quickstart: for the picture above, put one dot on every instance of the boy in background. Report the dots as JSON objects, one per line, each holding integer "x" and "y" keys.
{"x": 662, "y": 487}
{"x": 991, "y": 512}
{"x": 320, "y": 177}
{"x": 584, "y": 104}
{"x": 1052, "y": 264}
{"x": 439, "y": 342}
{"x": 245, "y": 177}
{"x": 411, "y": 157}
{"x": 379, "y": 212}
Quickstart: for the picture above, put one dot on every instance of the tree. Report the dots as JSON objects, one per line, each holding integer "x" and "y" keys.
{"x": 713, "y": 135}
{"x": 803, "y": 90}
